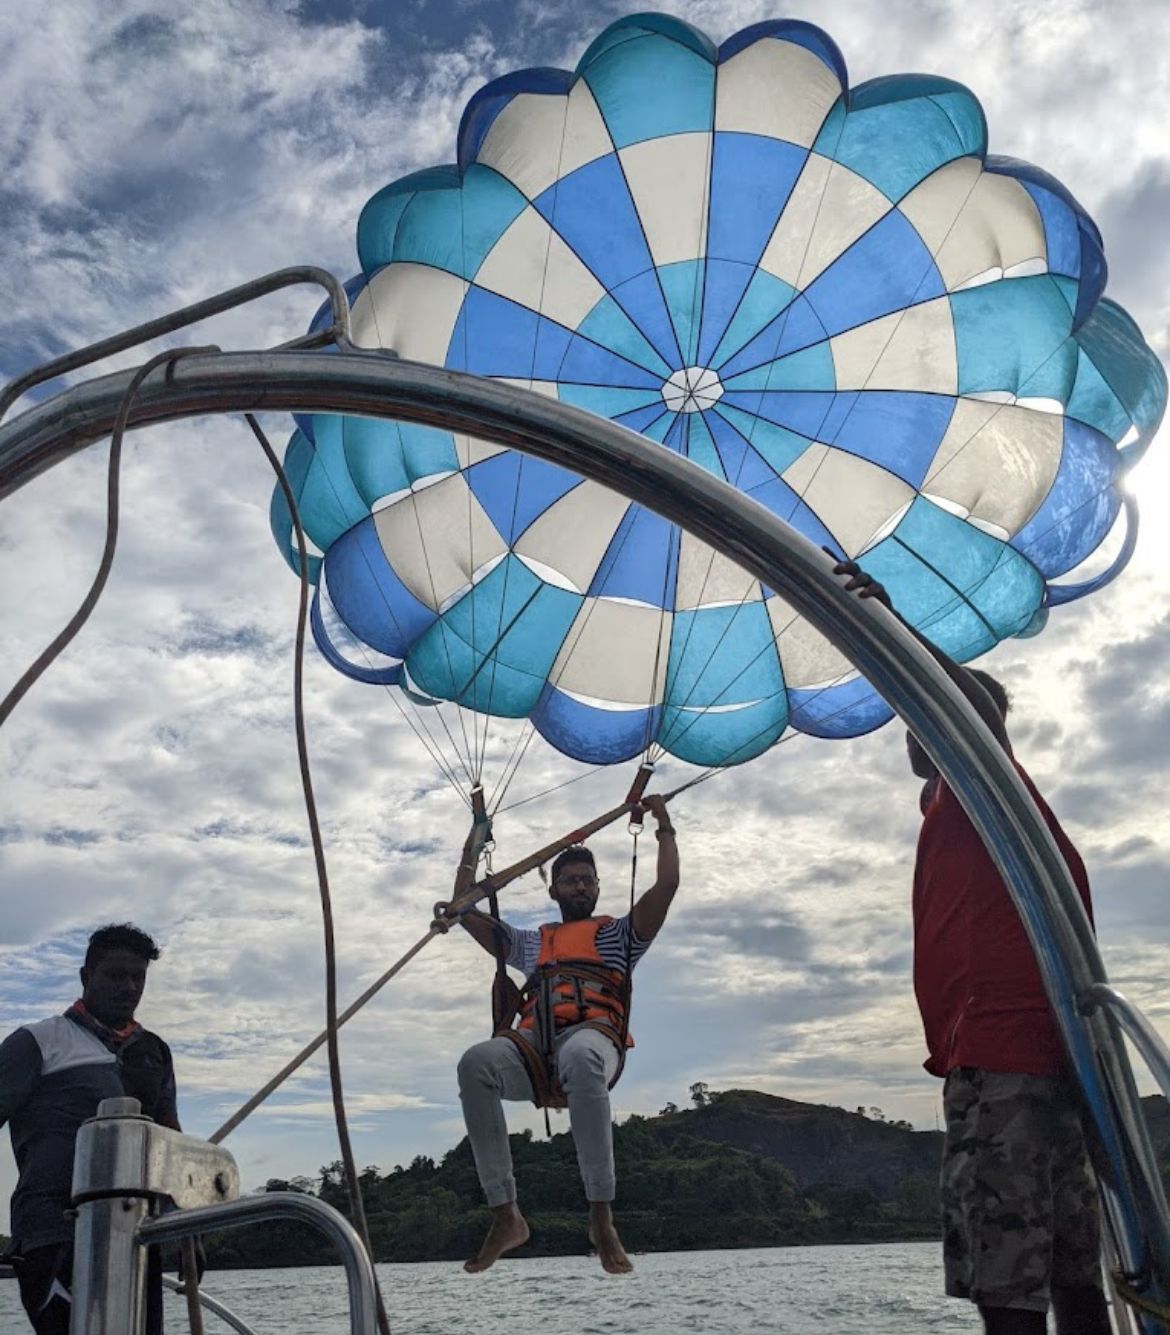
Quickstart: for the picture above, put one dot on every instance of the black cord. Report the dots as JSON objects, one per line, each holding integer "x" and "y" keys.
{"x": 54, "y": 650}
{"x": 357, "y": 1208}
{"x": 69, "y": 633}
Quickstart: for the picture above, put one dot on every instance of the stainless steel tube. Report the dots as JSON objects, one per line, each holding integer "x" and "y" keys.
{"x": 221, "y": 1310}
{"x": 1137, "y": 1029}
{"x": 359, "y": 1273}
{"x": 109, "y": 1267}
{"x": 965, "y": 752}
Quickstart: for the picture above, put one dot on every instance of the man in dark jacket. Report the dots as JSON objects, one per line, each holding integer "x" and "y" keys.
{"x": 53, "y": 1075}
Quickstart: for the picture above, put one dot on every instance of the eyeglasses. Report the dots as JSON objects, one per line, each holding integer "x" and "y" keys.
{"x": 586, "y": 880}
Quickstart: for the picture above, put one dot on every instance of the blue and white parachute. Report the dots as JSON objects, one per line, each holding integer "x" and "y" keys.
{"x": 833, "y": 298}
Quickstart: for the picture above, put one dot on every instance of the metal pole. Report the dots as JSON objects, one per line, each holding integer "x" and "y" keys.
{"x": 189, "y": 315}
{"x": 109, "y": 1268}
{"x": 1136, "y": 1027}
{"x": 221, "y": 1310}
{"x": 966, "y": 754}
{"x": 359, "y": 1272}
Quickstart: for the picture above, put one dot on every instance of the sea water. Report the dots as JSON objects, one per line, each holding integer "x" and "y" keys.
{"x": 882, "y": 1289}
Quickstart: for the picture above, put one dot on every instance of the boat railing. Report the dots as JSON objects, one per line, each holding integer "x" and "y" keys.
{"x": 1091, "y": 1016}
{"x": 1137, "y": 1028}
{"x": 127, "y": 1170}
{"x": 213, "y": 1305}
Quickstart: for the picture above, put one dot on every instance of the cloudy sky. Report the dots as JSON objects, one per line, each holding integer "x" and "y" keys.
{"x": 157, "y": 153}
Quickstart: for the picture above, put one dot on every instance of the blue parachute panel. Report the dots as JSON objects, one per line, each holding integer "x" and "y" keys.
{"x": 1079, "y": 510}
{"x": 369, "y": 597}
{"x": 682, "y": 101}
{"x": 886, "y": 270}
{"x": 589, "y": 733}
{"x": 658, "y": 314}
{"x": 729, "y": 737}
{"x": 514, "y": 490}
{"x": 641, "y": 561}
{"x": 849, "y": 709}
{"x": 902, "y": 128}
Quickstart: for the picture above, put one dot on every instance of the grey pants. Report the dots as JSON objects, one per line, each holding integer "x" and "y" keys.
{"x": 493, "y": 1070}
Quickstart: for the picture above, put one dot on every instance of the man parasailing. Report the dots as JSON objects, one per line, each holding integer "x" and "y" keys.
{"x": 560, "y": 1040}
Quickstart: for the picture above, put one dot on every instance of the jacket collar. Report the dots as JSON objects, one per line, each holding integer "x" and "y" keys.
{"x": 112, "y": 1038}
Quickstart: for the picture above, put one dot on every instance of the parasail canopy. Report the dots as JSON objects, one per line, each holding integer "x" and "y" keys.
{"x": 834, "y": 299}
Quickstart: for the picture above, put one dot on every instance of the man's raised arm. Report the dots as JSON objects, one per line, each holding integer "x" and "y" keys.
{"x": 478, "y": 925}
{"x": 651, "y": 909}
{"x": 868, "y": 587}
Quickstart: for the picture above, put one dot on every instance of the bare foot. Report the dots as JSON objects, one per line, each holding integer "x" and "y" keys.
{"x": 508, "y": 1230}
{"x": 604, "y": 1237}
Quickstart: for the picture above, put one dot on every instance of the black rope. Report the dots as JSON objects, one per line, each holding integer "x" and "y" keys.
{"x": 357, "y": 1208}
{"x": 113, "y": 485}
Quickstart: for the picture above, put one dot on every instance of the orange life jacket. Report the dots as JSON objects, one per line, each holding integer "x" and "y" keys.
{"x": 574, "y": 983}
{"x": 570, "y": 985}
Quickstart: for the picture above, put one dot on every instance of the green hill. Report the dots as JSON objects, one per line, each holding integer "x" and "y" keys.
{"x": 738, "y": 1169}
{"x": 741, "y": 1169}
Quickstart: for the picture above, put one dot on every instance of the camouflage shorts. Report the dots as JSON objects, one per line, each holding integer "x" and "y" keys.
{"x": 1019, "y": 1202}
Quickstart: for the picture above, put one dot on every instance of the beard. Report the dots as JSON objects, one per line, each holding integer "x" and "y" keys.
{"x": 575, "y": 908}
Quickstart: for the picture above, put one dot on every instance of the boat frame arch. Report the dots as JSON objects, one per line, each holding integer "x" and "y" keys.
{"x": 380, "y": 385}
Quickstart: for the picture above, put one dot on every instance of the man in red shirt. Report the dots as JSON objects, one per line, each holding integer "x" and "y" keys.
{"x": 1020, "y": 1221}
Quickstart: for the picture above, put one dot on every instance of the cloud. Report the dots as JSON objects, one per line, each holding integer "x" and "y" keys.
{"x": 151, "y": 775}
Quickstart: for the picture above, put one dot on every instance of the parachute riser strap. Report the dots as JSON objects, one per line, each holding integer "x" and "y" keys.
{"x": 498, "y": 879}
{"x": 627, "y": 978}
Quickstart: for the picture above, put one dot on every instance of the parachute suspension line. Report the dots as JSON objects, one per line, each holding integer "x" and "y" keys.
{"x": 357, "y": 1208}
{"x": 699, "y": 287}
{"x": 572, "y": 640}
{"x": 420, "y": 729}
{"x": 648, "y": 746}
{"x": 429, "y": 745}
{"x": 512, "y": 765}
{"x": 487, "y": 657}
{"x": 473, "y": 766}
{"x": 526, "y": 732}
{"x": 635, "y": 829}
{"x": 674, "y": 737}
{"x": 495, "y": 880}
{"x": 466, "y": 763}
{"x": 556, "y": 788}
{"x": 651, "y": 749}
{"x": 61, "y": 642}
{"x": 432, "y": 747}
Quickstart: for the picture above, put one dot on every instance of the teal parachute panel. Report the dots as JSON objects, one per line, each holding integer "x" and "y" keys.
{"x": 835, "y": 299}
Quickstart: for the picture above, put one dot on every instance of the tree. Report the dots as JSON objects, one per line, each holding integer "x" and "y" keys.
{"x": 700, "y": 1095}
{"x": 670, "y": 1108}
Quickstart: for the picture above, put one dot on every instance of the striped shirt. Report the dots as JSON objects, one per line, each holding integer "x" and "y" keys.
{"x": 614, "y": 940}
